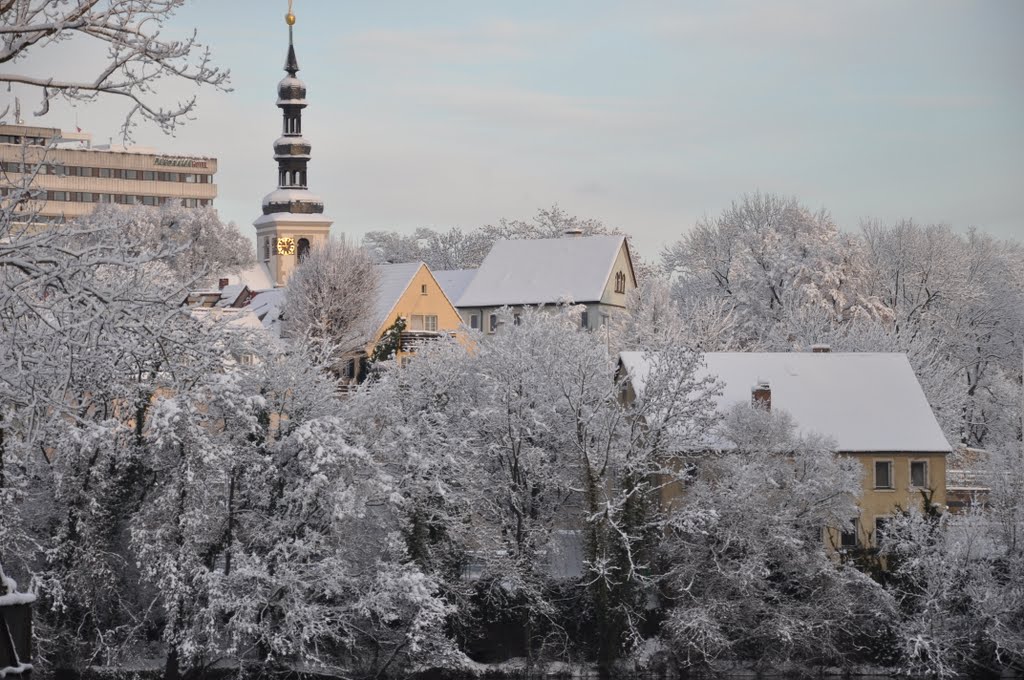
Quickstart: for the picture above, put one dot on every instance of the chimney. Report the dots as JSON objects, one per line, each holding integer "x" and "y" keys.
{"x": 821, "y": 349}
{"x": 761, "y": 395}
{"x": 573, "y": 232}
{"x": 222, "y": 283}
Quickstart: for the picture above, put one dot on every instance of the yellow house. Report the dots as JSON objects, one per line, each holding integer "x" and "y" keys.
{"x": 870, "y": 404}
{"x": 409, "y": 291}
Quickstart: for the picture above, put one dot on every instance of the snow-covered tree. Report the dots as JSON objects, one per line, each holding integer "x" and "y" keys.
{"x": 958, "y": 578}
{"x": 198, "y": 245}
{"x": 748, "y": 576}
{"x": 458, "y": 249}
{"x": 330, "y": 300}
{"x": 517, "y": 455}
{"x": 765, "y": 254}
{"x": 138, "y": 59}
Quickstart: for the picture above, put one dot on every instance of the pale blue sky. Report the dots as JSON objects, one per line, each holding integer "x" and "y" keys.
{"x": 646, "y": 115}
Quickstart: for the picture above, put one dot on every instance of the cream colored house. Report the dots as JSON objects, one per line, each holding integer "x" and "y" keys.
{"x": 870, "y": 404}
{"x": 595, "y": 271}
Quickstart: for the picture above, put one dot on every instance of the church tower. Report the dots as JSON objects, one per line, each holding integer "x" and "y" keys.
{"x": 292, "y": 221}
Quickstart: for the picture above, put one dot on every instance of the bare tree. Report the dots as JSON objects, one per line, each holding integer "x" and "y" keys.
{"x": 138, "y": 56}
{"x": 330, "y": 300}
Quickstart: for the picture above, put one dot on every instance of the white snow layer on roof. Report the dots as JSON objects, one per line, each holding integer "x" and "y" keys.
{"x": 864, "y": 401}
{"x": 267, "y": 306}
{"x": 392, "y": 281}
{"x": 454, "y": 282}
{"x": 256, "y": 277}
{"x": 543, "y": 271}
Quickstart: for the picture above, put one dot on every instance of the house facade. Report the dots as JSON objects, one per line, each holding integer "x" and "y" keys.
{"x": 593, "y": 271}
{"x": 870, "y": 404}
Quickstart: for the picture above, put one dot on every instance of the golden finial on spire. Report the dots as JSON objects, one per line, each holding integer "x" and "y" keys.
{"x": 290, "y": 17}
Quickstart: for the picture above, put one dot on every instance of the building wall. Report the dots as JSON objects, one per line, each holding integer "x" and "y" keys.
{"x": 879, "y": 503}
{"x": 622, "y": 264}
{"x": 414, "y": 302}
{"x": 68, "y": 171}
{"x": 597, "y": 314}
{"x": 314, "y": 228}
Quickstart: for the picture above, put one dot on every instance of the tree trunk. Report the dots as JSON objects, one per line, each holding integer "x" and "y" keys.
{"x": 171, "y": 671}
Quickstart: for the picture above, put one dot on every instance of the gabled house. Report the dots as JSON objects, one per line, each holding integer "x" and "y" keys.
{"x": 594, "y": 271}
{"x": 408, "y": 291}
{"x": 870, "y": 404}
{"x": 411, "y": 292}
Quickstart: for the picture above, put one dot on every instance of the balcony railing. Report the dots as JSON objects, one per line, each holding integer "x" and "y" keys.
{"x": 967, "y": 479}
{"x": 414, "y": 341}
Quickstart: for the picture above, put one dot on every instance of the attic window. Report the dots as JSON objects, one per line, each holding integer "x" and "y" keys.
{"x": 423, "y": 289}
{"x": 620, "y": 282}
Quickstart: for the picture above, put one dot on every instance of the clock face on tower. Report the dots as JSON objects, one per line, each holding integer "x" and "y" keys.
{"x": 285, "y": 245}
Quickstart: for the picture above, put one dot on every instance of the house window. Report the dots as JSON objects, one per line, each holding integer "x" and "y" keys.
{"x": 494, "y": 322}
{"x": 883, "y": 474}
{"x": 919, "y": 473}
{"x": 516, "y": 318}
{"x": 585, "y": 319}
{"x": 604, "y": 320}
{"x": 881, "y": 527}
{"x": 620, "y": 282}
{"x": 848, "y": 537}
{"x": 420, "y": 322}
{"x": 474, "y": 321}
{"x": 423, "y": 289}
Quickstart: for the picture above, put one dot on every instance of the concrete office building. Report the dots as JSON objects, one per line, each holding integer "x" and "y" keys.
{"x": 68, "y": 175}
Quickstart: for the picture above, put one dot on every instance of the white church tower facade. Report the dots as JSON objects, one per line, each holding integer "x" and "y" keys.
{"x": 293, "y": 219}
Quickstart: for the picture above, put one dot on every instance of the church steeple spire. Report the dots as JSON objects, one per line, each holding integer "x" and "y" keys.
{"x": 291, "y": 151}
{"x": 292, "y": 220}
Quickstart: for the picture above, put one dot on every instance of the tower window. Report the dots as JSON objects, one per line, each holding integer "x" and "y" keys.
{"x": 303, "y": 249}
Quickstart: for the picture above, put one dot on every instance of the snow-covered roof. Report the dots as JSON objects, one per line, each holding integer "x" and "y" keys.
{"x": 290, "y": 196}
{"x": 267, "y": 306}
{"x": 293, "y": 218}
{"x": 543, "y": 271}
{"x": 256, "y": 277}
{"x": 454, "y": 282}
{"x": 866, "y": 402}
{"x": 229, "y": 294}
{"x": 392, "y": 281}
{"x": 236, "y": 317}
